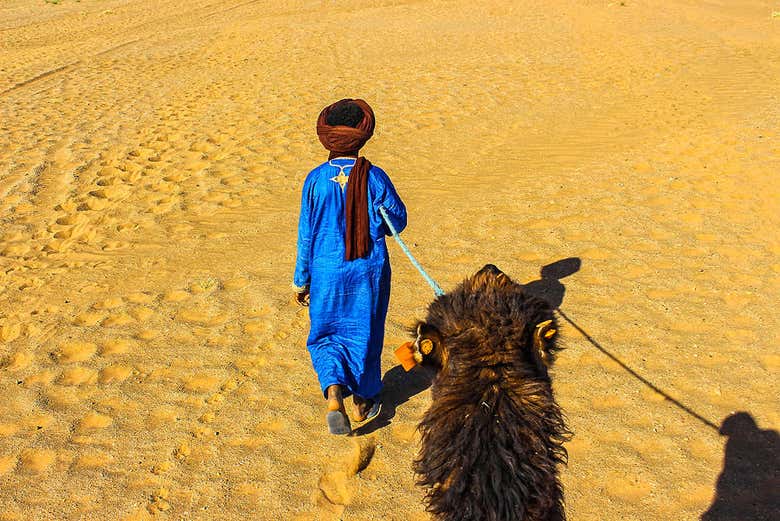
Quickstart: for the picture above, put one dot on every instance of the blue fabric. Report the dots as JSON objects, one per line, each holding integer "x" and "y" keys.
{"x": 349, "y": 299}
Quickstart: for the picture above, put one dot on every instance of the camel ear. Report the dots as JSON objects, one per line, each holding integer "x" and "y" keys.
{"x": 543, "y": 332}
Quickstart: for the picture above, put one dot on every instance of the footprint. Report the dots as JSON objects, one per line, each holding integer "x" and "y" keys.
{"x": 403, "y": 432}
{"x": 95, "y": 421}
{"x": 205, "y": 286}
{"x": 115, "y": 347}
{"x": 37, "y": 461}
{"x": 140, "y": 298}
{"x": 73, "y": 219}
{"x": 115, "y": 245}
{"x": 233, "y": 180}
{"x": 201, "y": 383}
{"x": 125, "y": 227}
{"x": 93, "y": 461}
{"x": 7, "y": 464}
{"x": 76, "y": 376}
{"x": 15, "y": 250}
{"x": 362, "y": 454}
{"x": 8, "y": 429}
{"x": 161, "y": 467}
{"x": 18, "y": 361}
{"x": 202, "y": 317}
{"x": 219, "y": 341}
{"x": 231, "y": 203}
{"x": 215, "y": 197}
{"x": 335, "y": 490}
{"x": 43, "y": 378}
{"x": 235, "y": 284}
{"x": 109, "y": 303}
{"x": 88, "y": 319}
{"x": 106, "y": 181}
{"x": 159, "y": 502}
{"x": 141, "y": 314}
{"x": 257, "y": 327}
{"x": 627, "y": 488}
{"x": 37, "y": 422}
{"x": 115, "y": 374}
{"x": 252, "y": 493}
{"x": 148, "y": 334}
{"x": 176, "y": 296}
{"x": 182, "y": 451}
{"x": 164, "y": 415}
{"x": 62, "y": 398}
{"x": 75, "y": 352}
{"x": 118, "y": 320}
{"x": 57, "y": 246}
{"x": 10, "y": 331}
{"x": 93, "y": 204}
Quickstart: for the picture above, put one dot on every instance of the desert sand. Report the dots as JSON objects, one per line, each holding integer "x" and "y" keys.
{"x": 152, "y": 363}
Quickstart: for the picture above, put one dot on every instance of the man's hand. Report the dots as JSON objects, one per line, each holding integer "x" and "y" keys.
{"x": 302, "y": 296}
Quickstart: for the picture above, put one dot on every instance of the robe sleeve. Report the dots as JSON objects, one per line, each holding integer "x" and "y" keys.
{"x": 387, "y": 197}
{"x": 302, "y": 276}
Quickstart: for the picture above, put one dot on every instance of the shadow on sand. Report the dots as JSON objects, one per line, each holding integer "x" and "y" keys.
{"x": 397, "y": 387}
{"x": 749, "y": 485}
{"x": 550, "y": 288}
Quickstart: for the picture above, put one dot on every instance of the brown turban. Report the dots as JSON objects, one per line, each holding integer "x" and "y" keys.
{"x": 342, "y": 140}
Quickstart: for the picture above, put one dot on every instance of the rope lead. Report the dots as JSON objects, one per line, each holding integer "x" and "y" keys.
{"x": 436, "y": 289}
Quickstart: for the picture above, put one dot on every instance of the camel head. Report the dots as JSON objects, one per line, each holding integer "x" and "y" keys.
{"x": 484, "y": 313}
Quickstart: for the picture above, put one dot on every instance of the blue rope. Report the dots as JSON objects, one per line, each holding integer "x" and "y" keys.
{"x": 436, "y": 289}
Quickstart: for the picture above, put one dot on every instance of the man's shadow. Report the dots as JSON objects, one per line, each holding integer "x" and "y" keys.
{"x": 549, "y": 287}
{"x": 749, "y": 485}
{"x": 398, "y": 387}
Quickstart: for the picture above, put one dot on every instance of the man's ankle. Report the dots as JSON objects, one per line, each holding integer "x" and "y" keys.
{"x": 335, "y": 398}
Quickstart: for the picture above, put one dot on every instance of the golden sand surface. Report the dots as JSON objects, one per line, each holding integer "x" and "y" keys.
{"x": 152, "y": 364}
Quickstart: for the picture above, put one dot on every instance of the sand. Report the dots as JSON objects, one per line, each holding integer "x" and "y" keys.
{"x": 152, "y": 363}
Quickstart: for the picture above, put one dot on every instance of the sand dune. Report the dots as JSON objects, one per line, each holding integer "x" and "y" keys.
{"x": 151, "y": 156}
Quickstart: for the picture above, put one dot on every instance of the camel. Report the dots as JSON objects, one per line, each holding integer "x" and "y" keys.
{"x": 493, "y": 437}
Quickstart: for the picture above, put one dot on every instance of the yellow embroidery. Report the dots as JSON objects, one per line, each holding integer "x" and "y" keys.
{"x": 341, "y": 179}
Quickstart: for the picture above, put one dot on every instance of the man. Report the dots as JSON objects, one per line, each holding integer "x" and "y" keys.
{"x": 342, "y": 269}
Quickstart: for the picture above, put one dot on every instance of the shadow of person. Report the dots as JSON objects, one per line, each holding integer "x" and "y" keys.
{"x": 397, "y": 387}
{"x": 749, "y": 485}
{"x": 549, "y": 287}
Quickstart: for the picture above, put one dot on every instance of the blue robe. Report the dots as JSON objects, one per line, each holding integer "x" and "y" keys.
{"x": 348, "y": 298}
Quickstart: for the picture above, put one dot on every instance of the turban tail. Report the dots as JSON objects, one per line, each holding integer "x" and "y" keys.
{"x": 342, "y": 140}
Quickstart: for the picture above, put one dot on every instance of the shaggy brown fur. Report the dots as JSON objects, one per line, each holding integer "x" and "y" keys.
{"x": 494, "y": 435}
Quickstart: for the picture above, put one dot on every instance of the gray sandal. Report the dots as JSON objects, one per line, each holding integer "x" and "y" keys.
{"x": 338, "y": 423}
{"x": 373, "y": 413}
